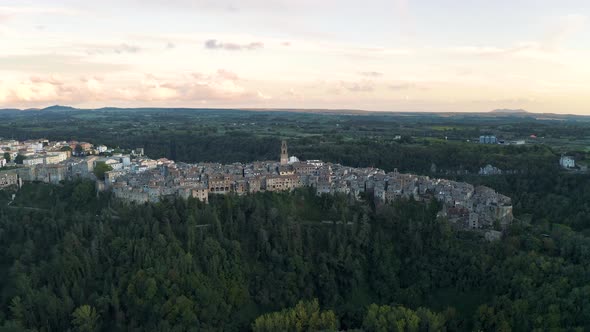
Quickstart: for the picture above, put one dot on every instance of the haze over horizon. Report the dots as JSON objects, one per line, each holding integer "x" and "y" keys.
{"x": 378, "y": 55}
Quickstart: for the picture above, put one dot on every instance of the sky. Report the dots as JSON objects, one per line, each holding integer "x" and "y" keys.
{"x": 379, "y": 55}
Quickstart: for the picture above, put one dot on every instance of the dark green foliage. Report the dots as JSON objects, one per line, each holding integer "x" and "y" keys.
{"x": 548, "y": 195}
{"x": 386, "y": 318}
{"x": 19, "y": 159}
{"x": 74, "y": 261}
{"x": 305, "y": 316}
{"x": 226, "y": 136}
{"x": 100, "y": 168}
{"x": 85, "y": 319}
{"x": 78, "y": 150}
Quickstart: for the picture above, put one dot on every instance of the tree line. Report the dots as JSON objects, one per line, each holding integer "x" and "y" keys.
{"x": 277, "y": 261}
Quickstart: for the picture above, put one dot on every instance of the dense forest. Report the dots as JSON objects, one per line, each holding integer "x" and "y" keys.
{"x": 408, "y": 142}
{"x": 277, "y": 261}
{"x": 75, "y": 261}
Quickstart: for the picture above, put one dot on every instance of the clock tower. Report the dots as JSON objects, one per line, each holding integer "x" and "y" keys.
{"x": 284, "y": 154}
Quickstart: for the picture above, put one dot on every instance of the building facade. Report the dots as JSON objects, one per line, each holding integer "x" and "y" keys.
{"x": 567, "y": 162}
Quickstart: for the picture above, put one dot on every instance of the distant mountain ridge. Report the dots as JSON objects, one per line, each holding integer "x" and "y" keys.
{"x": 521, "y": 113}
{"x": 510, "y": 111}
{"x": 53, "y": 108}
{"x": 58, "y": 108}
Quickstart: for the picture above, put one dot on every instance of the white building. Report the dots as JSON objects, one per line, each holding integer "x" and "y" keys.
{"x": 489, "y": 170}
{"x": 36, "y": 160}
{"x": 56, "y": 158}
{"x": 2, "y": 162}
{"x": 114, "y": 163}
{"x": 35, "y": 146}
{"x": 567, "y": 162}
{"x": 101, "y": 148}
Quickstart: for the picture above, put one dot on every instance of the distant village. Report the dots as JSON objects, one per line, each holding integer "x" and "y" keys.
{"x": 566, "y": 162}
{"x": 134, "y": 177}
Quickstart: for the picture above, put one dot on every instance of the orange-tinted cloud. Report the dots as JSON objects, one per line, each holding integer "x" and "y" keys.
{"x": 214, "y": 44}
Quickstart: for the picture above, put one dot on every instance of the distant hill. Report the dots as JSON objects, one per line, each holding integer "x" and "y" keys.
{"x": 497, "y": 113}
{"x": 54, "y": 108}
{"x": 58, "y": 108}
{"x": 510, "y": 111}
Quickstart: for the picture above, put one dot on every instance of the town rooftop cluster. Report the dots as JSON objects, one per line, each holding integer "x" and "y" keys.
{"x": 136, "y": 178}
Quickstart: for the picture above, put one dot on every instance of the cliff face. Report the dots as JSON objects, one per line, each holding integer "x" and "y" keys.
{"x": 504, "y": 215}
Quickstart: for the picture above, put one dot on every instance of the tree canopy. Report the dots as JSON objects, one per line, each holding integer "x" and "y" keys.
{"x": 100, "y": 169}
{"x": 77, "y": 262}
{"x": 19, "y": 159}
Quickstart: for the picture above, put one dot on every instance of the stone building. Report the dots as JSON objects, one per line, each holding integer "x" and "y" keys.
{"x": 284, "y": 154}
{"x": 201, "y": 193}
{"x": 254, "y": 184}
{"x": 304, "y": 168}
{"x": 286, "y": 170}
{"x": 128, "y": 193}
{"x": 219, "y": 184}
{"x": 53, "y": 173}
{"x": 8, "y": 178}
{"x": 284, "y": 182}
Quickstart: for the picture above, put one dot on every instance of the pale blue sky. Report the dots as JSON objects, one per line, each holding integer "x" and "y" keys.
{"x": 396, "y": 55}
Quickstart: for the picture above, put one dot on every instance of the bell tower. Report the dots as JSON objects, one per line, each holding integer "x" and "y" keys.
{"x": 284, "y": 154}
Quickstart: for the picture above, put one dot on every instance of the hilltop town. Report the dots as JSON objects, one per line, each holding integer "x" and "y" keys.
{"x": 136, "y": 178}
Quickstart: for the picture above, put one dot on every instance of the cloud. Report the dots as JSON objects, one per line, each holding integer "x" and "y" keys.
{"x": 52, "y": 63}
{"x": 220, "y": 74}
{"x": 41, "y": 89}
{"x": 373, "y": 74}
{"x": 214, "y": 44}
{"x": 126, "y": 48}
{"x": 94, "y": 86}
{"x": 548, "y": 49}
{"x": 52, "y": 80}
{"x": 219, "y": 86}
{"x": 401, "y": 86}
{"x": 536, "y": 51}
{"x": 227, "y": 75}
{"x": 483, "y": 50}
{"x": 216, "y": 87}
{"x": 3, "y": 93}
{"x": 102, "y": 49}
{"x": 294, "y": 94}
{"x": 263, "y": 96}
{"x": 360, "y": 86}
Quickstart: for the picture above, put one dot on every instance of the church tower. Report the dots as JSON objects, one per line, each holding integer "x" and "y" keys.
{"x": 284, "y": 154}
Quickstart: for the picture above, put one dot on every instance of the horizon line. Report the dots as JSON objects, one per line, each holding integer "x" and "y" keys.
{"x": 350, "y": 111}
